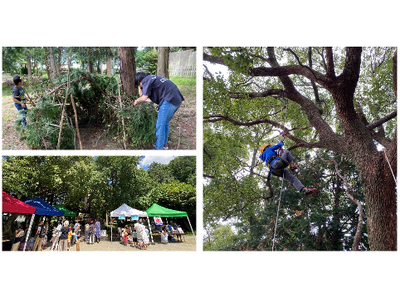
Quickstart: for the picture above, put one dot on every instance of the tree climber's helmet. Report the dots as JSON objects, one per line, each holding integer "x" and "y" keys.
{"x": 264, "y": 146}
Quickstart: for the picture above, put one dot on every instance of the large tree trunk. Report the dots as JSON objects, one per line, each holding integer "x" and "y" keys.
{"x": 100, "y": 68}
{"x": 128, "y": 69}
{"x": 59, "y": 64}
{"x": 376, "y": 179}
{"x": 52, "y": 64}
{"x": 109, "y": 67}
{"x": 90, "y": 68}
{"x": 380, "y": 195}
{"x": 163, "y": 62}
{"x": 28, "y": 63}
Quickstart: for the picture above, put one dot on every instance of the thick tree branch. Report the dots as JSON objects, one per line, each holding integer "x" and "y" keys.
{"x": 377, "y": 136}
{"x": 213, "y": 59}
{"x": 299, "y": 142}
{"x": 316, "y": 94}
{"x": 330, "y": 69}
{"x": 208, "y": 176}
{"x": 290, "y": 70}
{"x": 383, "y": 120}
{"x": 265, "y": 93}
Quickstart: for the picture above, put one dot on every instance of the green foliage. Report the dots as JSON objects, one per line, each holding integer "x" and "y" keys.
{"x": 13, "y": 59}
{"x": 146, "y": 60}
{"x": 160, "y": 173}
{"x": 219, "y": 237}
{"x": 41, "y": 129}
{"x": 183, "y": 169}
{"x": 141, "y": 125}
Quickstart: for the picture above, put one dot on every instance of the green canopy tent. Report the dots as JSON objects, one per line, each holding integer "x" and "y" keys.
{"x": 159, "y": 211}
{"x": 67, "y": 212}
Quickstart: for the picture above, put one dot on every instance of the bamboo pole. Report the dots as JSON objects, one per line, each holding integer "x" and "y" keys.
{"x": 65, "y": 100}
{"x": 76, "y": 122}
{"x": 29, "y": 231}
{"x": 123, "y": 122}
{"x": 29, "y": 98}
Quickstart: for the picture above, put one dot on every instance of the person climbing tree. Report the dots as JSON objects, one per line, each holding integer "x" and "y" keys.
{"x": 277, "y": 164}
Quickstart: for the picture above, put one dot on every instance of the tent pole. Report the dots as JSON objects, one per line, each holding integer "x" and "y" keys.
{"x": 111, "y": 226}
{"x": 151, "y": 234}
{"x": 29, "y": 231}
{"x": 191, "y": 227}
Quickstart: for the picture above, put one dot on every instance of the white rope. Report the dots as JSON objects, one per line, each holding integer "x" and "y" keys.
{"x": 280, "y": 194}
{"x": 277, "y": 214}
{"x": 384, "y": 151}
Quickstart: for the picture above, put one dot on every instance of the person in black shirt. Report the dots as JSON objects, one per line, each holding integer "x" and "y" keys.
{"x": 166, "y": 95}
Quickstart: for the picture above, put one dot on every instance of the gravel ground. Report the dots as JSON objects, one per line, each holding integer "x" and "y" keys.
{"x": 105, "y": 245}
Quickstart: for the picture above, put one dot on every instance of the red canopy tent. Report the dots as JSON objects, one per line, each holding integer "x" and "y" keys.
{"x": 15, "y": 206}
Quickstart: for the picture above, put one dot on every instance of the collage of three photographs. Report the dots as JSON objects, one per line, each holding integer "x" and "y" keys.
{"x": 199, "y": 149}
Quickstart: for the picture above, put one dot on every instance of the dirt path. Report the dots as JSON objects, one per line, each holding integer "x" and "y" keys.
{"x": 105, "y": 245}
{"x": 10, "y": 139}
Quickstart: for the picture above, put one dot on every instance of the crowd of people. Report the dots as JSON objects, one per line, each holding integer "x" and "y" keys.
{"x": 63, "y": 236}
{"x": 137, "y": 235}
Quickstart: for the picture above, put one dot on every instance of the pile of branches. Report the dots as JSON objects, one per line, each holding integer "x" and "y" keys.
{"x": 57, "y": 110}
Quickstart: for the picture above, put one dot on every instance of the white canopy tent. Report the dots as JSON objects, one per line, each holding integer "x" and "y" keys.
{"x": 127, "y": 212}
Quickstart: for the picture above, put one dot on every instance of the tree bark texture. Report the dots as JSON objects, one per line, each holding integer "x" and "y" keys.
{"x": 109, "y": 67}
{"x": 163, "y": 62}
{"x": 28, "y": 64}
{"x": 128, "y": 69}
{"x": 52, "y": 64}
{"x": 90, "y": 68}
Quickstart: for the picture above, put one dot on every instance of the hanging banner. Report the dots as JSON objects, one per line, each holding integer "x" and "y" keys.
{"x": 135, "y": 217}
{"x": 121, "y": 217}
{"x": 158, "y": 221}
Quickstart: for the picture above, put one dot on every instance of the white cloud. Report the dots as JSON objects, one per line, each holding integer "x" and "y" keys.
{"x": 148, "y": 160}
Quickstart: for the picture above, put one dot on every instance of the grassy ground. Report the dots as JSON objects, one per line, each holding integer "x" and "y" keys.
{"x": 182, "y": 126}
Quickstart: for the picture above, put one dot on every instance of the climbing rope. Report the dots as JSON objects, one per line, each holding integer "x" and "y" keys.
{"x": 277, "y": 214}
{"x": 280, "y": 194}
{"x": 391, "y": 170}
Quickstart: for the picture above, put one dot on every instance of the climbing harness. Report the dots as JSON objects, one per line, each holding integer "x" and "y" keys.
{"x": 384, "y": 151}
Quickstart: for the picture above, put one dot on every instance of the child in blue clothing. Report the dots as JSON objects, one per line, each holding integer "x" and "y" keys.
{"x": 18, "y": 97}
{"x": 277, "y": 165}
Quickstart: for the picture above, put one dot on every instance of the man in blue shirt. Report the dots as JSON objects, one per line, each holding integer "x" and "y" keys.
{"x": 166, "y": 95}
{"x": 277, "y": 165}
